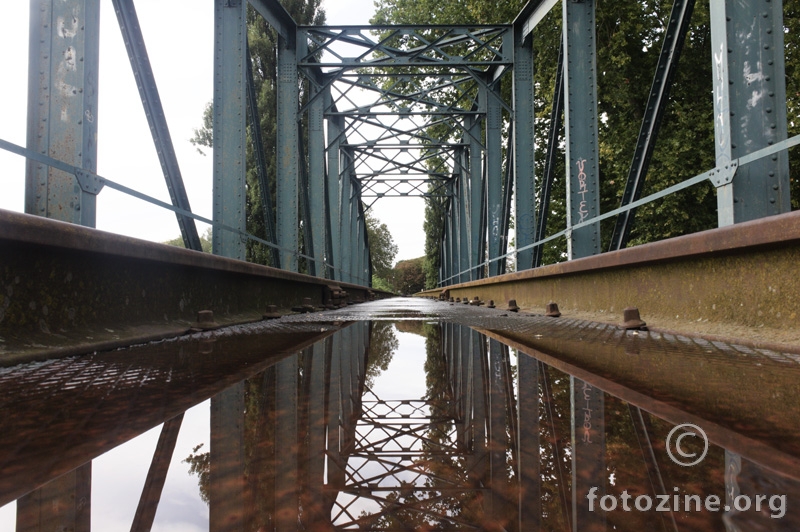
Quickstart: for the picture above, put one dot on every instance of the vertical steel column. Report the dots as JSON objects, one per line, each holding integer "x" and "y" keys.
{"x": 154, "y": 111}
{"x": 316, "y": 179}
{"x": 62, "y": 108}
{"x": 230, "y": 112}
{"x": 315, "y": 469}
{"x": 530, "y": 509}
{"x": 61, "y": 504}
{"x": 524, "y": 174}
{"x": 463, "y": 216}
{"x": 477, "y": 235}
{"x": 336, "y": 473}
{"x": 226, "y": 485}
{"x": 497, "y": 429}
{"x": 457, "y": 208}
{"x": 286, "y": 443}
{"x": 345, "y": 216}
{"x": 447, "y": 246}
{"x": 352, "y": 251}
{"x": 464, "y": 395}
{"x": 335, "y": 134}
{"x": 477, "y": 466}
{"x": 588, "y": 455}
{"x": 580, "y": 89}
{"x": 288, "y": 162}
{"x": 494, "y": 176}
{"x": 749, "y": 108}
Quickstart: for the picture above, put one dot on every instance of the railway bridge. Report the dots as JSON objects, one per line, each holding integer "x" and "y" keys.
{"x": 103, "y": 337}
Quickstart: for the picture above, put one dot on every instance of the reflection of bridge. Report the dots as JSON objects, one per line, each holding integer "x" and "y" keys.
{"x": 298, "y": 441}
{"x": 402, "y": 110}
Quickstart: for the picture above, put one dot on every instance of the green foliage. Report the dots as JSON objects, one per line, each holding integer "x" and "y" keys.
{"x": 379, "y": 283}
{"x": 205, "y": 241}
{"x": 382, "y": 345}
{"x": 200, "y": 465}
{"x": 408, "y": 276}
{"x": 382, "y": 249}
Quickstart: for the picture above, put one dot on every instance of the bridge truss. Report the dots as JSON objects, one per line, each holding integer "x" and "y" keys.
{"x": 408, "y": 111}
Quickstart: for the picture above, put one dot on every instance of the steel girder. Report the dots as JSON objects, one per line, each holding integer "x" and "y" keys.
{"x": 154, "y": 111}
{"x": 749, "y": 109}
{"x": 580, "y": 108}
{"x": 62, "y": 114}
{"x": 230, "y": 100}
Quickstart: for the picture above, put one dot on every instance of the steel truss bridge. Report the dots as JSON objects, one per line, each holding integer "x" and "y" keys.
{"x": 365, "y": 113}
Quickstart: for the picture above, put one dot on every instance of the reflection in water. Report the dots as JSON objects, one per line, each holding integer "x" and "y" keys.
{"x": 320, "y": 440}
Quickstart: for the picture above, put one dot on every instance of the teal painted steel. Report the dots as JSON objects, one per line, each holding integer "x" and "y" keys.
{"x": 267, "y": 210}
{"x": 524, "y": 173}
{"x": 230, "y": 101}
{"x": 345, "y": 217}
{"x": 287, "y": 149}
{"x": 580, "y": 88}
{"x": 749, "y": 108}
{"x": 316, "y": 182}
{"x": 154, "y": 111}
{"x": 462, "y": 183}
{"x": 494, "y": 178}
{"x": 335, "y": 133}
{"x": 477, "y": 223}
{"x": 62, "y": 113}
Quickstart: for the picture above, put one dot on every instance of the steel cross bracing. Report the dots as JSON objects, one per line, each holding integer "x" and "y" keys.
{"x": 437, "y": 461}
{"x": 395, "y": 88}
{"x": 368, "y": 112}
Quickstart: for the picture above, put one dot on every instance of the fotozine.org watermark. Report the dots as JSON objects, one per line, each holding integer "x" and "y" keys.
{"x": 686, "y": 503}
{"x": 683, "y": 447}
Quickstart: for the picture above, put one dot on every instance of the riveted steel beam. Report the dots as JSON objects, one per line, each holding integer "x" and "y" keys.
{"x": 62, "y": 115}
{"x": 494, "y": 178}
{"x": 523, "y": 150}
{"x": 736, "y": 280}
{"x": 132, "y": 290}
{"x": 230, "y": 112}
{"x": 287, "y": 149}
{"x": 318, "y": 204}
{"x": 749, "y": 108}
{"x": 580, "y": 90}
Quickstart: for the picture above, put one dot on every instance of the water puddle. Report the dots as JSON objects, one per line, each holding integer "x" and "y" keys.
{"x": 412, "y": 424}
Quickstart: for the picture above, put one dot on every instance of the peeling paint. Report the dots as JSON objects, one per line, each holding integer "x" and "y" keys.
{"x": 67, "y": 31}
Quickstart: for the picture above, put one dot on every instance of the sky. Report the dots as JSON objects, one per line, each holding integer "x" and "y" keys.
{"x": 181, "y": 55}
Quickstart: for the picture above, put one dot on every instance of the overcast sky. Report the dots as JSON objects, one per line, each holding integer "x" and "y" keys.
{"x": 179, "y": 38}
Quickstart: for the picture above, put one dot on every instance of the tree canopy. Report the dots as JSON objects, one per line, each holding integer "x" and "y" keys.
{"x": 628, "y": 39}
{"x": 382, "y": 249}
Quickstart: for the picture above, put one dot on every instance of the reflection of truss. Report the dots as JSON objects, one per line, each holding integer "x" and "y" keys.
{"x": 407, "y": 98}
{"x": 406, "y": 467}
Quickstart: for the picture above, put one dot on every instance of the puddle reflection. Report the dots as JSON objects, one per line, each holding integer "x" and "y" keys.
{"x": 408, "y": 425}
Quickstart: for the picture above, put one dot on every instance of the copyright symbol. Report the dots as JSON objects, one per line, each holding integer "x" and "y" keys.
{"x": 685, "y": 457}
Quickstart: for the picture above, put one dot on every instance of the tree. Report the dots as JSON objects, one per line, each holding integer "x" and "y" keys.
{"x": 382, "y": 249}
{"x": 205, "y": 241}
{"x": 408, "y": 276}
